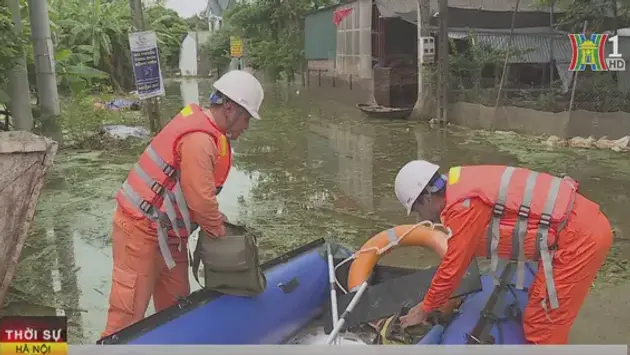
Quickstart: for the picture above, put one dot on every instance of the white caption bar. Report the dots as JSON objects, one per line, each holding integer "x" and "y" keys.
{"x": 347, "y": 350}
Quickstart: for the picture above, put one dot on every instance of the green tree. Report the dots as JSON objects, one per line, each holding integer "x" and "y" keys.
{"x": 92, "y": 34}
{"x": 171, "y": 31}
{"x": 198, "y": 22}
{"x": 600, "y": 15}
{"x": 12, "y": 47}
{"x": 91, "y": 42}
{"x": 272, "y": 30}
{"x": 100, "y": 29}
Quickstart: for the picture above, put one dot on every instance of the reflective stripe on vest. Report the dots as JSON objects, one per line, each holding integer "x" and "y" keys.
{"x": 163, "y": 220}
{"x": 520, "y": 230}
{"x": 171, "y": 198}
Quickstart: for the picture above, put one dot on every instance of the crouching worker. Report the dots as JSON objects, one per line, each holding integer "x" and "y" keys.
{"x": 170, "y": 192}
{"x": 517, "y": 214}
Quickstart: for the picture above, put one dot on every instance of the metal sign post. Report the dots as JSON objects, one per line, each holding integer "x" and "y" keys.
{"x": 236, "y": 50}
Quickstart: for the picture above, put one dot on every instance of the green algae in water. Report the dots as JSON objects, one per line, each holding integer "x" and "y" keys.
{"x": 534, "y": 154}
{"x": 77, "y": 201}
{"x": 526, "y": 150}
{"x": 318, "y": 170}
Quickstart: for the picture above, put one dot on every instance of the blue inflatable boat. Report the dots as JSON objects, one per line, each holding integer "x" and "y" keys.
{"x": 508, "y": 328}
{"x": 298, "y": 296}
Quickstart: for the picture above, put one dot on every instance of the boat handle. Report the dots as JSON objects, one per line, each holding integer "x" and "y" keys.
{"x": 289, "y": 286}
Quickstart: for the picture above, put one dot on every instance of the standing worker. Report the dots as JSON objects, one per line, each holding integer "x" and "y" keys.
{"x": 175, "y": 183}
{"x": 508, "y": 212}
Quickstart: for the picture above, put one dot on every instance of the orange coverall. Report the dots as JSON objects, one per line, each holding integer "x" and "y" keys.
{"x": 582, "y": 248}
{"x": 139, "y": 271}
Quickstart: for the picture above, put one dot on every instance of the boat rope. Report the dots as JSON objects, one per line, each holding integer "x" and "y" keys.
{"x": 385, "y": 249}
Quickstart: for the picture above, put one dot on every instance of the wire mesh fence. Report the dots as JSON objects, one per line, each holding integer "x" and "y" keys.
{"x": 537, "y": 75}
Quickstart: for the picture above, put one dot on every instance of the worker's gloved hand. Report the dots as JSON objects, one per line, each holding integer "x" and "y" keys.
{"x": 415, "y": 316}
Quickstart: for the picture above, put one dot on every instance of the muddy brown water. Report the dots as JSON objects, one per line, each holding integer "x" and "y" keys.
{"x": 310, "y": 168}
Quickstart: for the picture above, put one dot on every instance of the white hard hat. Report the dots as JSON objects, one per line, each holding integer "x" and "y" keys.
{"x": 412, "y": 179}
{"x": 243, "y": 88}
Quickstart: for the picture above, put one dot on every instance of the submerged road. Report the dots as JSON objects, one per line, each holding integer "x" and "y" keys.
{"x": 310, "y": 167}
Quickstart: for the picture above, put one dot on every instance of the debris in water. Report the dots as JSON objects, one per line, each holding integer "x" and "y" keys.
{"x": 123, "y": 132}
{"x": 618, "y": 145}
{"x": 118, "y": 104}
{"x": 555, "y": 142}
{"x": 579, "y": 142}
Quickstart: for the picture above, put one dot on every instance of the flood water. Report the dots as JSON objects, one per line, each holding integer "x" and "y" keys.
{"x": 311, "y": 168}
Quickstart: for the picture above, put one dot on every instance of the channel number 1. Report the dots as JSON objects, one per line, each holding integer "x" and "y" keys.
{"x": 614, "y": 60}
{"x": 615, "y": 47}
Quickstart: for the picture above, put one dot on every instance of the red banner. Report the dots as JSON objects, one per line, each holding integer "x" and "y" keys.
{"x": 340, "y": 14}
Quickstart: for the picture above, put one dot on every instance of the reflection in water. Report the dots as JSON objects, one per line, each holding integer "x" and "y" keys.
{"x": 189, "y": 89}
{"x": 46, "y": 279}
{"x": 70, "y": 241}
{"x": 65, "y": 280}
{"x": 353, "y": 154}
{"x": 51, "y": 127}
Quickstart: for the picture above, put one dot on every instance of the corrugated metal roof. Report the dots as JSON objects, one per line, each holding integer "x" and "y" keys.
{"x": 494, "y": 5}
{"x": 327, "y": 7}
{"x": 393, "y": 8}
{"x": 537, "y": 41}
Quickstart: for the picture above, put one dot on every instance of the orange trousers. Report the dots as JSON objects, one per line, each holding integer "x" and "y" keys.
{"x": 140, "y": 273}
{"x": 582, "y": 249}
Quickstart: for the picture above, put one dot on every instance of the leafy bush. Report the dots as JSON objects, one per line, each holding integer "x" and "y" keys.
{"x": 10, "y": 50}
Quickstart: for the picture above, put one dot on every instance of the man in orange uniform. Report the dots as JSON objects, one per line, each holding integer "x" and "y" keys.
{"x": 514, "y": 213}
{"x": 169, "y": 192}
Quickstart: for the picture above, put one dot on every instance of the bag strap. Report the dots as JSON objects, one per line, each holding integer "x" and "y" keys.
{"x": 481, "y": 332}
{"x": 196, "y": 261}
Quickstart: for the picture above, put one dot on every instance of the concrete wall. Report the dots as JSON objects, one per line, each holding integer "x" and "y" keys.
{"x": 582, "y": 123}
{"x": 322, "y": 64}
{"x": 192, "y": 63}
{"x": 188, "y": 56}
{"x": 347, "y": 88}
{"x": 354, "y": 40}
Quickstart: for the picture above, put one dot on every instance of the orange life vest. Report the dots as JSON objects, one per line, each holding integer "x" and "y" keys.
{"x": 152, "y": 189}
{"x": 529, "y": 207}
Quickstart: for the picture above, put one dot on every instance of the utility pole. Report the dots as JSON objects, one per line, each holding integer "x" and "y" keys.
{"x": 197, "y": 48}
{"x": 151, "y": 109}
{"x": 423, "y": 17}
{"x": 46, "y": 78}
{"x": 552, "y": 43}
{"x": 18, "y": 78}
{"x": 443, "y": 66}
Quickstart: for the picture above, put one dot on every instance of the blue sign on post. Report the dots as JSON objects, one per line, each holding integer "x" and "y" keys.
{"x": 146, "y": 64}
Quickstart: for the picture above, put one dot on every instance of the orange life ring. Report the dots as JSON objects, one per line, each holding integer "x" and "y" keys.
{"x": 371, "y": 252}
